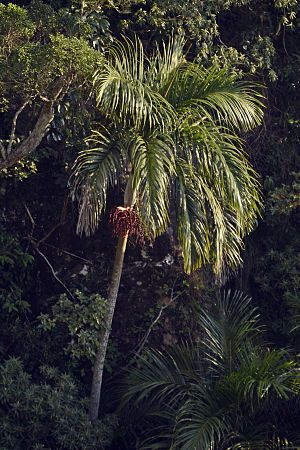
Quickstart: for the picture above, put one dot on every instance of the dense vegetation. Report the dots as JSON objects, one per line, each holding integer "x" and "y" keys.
{"x": 205, "y": 367}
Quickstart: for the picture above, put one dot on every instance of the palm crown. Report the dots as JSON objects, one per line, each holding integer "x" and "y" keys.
{"x": 174, "y": 124}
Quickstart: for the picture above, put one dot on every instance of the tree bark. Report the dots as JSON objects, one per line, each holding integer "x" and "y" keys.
{"x": 104, "y": 335}
{"x": 33, "y": 140}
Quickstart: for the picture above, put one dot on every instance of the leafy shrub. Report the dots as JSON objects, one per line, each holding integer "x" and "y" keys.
{"x": 47, "y": 415}
{"x": 14, "y": 272}
{"x": 83, "y": 316}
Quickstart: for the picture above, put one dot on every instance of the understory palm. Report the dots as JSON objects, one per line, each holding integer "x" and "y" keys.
{"x": 169, "y": 133}
{"x": 230, "y": 392}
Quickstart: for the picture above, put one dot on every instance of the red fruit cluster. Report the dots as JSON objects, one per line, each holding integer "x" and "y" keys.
{"x": 126, "y": 221}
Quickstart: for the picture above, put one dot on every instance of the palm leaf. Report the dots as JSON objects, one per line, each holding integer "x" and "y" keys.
{"x": 201, "y": 423}
{"x": 95, "y": 170}
{"x": 165, "y": 63}
{"x": 269, "y": 373}
{"x": 191, "y": 218}
{"x": 152, "y": 162}
{"x": 215, "y": 95}
{"x": 259, "y": 437}
{"x": 122, "y": 86}
{"x": 159, "y": 378}
{"x": 230, "y": 332}
{"x": 224, "y": 188}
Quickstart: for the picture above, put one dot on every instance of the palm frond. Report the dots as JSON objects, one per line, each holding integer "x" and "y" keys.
{"x": 201, "y": 423}
{"x": 122, "y": 87}
{"x": 244, "y": 402}
{"x": 230, "y": 332}
{"x": 294, "y": 304}
{"x": 158, "y": 378}
{"x": 210, "y": 225}
{"x": 152, "y": 160}
{"x": 95, "y": 170}
{"x": 214, "y": 169}
{"x": 269, "y": 373}
{"x": 165, "y": 63}
{"x": 259, "y": 437}
{"x": 191, "y": 218}
{"x": 160, "y": 385}
{"x": 216, "y": 96}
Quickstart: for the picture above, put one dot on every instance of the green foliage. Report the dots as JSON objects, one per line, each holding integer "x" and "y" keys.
{"x": 51, "y": 38}
{"x": 254, "y": 45}
{"x": 73, "y": 55}
{"x": 231, "y": 329}
{"x": 48, "y": 414}
{"x": 15, "y": 27}
{"x": 277, "y": 269}
{"x": 206, "y": 397}
{"x": 277, "y": 275}
{"x": 285, "y": 199}
{"x": 38, "y": 45}
{"x": 19, "y": 172}
{"x": 15, "y": 268}
{"x": 83, "y": 316}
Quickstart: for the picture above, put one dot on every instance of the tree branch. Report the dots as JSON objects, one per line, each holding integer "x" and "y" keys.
{"x": 60, "y": 223}
{"x": 32, "y": 225}
{"x": 35, "y": 246}
{"x": 2, "y": 150}
{"x": 14, "y": 124}
{"x": 142, "y": 343}
{"x": 33, "y": 140}
{"x": 69, "y": 253}
{"x": 53, "y": 272}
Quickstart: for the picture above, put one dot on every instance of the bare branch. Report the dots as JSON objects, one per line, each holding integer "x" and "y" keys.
{"x": 44, "y": 119}
{"x": 30, "y": 239}
{"x": 32, "y": 225}
{"x": 29, "y": 214}
{"x": 142, "y": 343}
{"x": 14, "y": 124}
{"x": 60, "y": 223}
{"x": 69, "y": 253}
{"x": 53, "y": 272}
{"x": 2, "y": 150}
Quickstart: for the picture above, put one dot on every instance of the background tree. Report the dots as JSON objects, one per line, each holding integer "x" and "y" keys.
{"x": 42, "y": 54}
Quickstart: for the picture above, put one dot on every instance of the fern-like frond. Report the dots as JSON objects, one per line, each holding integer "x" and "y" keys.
{"x": 225, "y": 188}
{"x": 192, "y": 223}
{"x": 262, "y": 436}
{"x": 159, "y": 379}
{"x": 165, "y": 63}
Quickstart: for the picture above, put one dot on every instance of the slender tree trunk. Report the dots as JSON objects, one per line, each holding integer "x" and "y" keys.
{"x": 104, "y": 335}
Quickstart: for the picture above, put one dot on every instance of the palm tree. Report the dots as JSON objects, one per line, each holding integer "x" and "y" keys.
{"x": 229, "y": 393}
{"x": 169, "y": 132}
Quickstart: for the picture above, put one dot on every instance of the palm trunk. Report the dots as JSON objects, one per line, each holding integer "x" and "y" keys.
{"x": 104, "y": 335}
